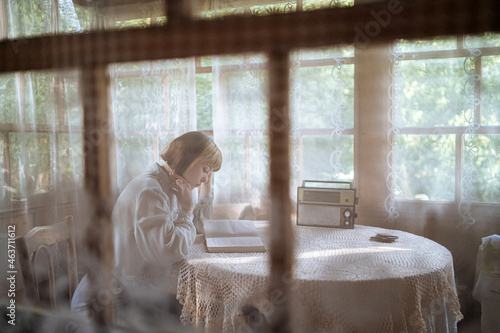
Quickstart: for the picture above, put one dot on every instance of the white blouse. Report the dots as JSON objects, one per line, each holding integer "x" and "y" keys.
{"x": 151, "y": 232}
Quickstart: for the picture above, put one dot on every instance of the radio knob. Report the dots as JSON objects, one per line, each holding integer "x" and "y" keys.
{"x": 347, "y": 214}
{"x": 346, "y": 223}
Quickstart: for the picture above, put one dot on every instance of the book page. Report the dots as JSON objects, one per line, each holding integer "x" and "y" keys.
{"x": 232, "y": 236}
{"x": 235, "y": 244}
{"x": 229, "y": 228}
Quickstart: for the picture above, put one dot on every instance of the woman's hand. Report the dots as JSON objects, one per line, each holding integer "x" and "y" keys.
{"x": 181, "y": 188}
{"x": 206, "y": 187}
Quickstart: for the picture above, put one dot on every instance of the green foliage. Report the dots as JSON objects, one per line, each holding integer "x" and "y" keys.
{"x": 486, "y": 185}
{"x": 490, "y": 91}
{"x": 204, "y": 101}
{"x": 433, "y": 92}
{"x": 425, "y": 167}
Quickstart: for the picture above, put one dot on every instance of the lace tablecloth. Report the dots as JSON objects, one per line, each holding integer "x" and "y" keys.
{"x": 343, "y": 282}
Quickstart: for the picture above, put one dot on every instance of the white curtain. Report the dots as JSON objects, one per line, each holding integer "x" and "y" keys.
{"x": 41, "y": 119}
{"x": 42, "y": 159}
{"x": 240, "y": 128}
{"x": 442, "y": 135}
{"x": 152, "y": 103}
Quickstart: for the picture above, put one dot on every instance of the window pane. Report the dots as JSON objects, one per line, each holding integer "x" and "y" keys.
{"x": 70, "y": 175}
{"x": 245, "y": 102}
{"x": 275, "y": 8}
{"x": 134, "y": 94}
{"x": 30, "y": 164}
{"x": 74, "y": 106}
{"x": 320, "y": 4}
{"x": 431, "y": 44}
{"x": 426, "y": 167}
{"x": 328, "y": 53}
{"x": 490, "y": 96}
{"x": 486, "y": 186}
{"x": 204, "y": 101}
{"x": 4, "y": 189}
{"x": 8, "y": 99}
{"x": 320, "y": 157}
{"x": 488, "y": 39}
{"x": 132, "y": 151}
{"x": 258, "y": 164}
{"x": 40, "y": 106}
{"x": 433, "y": 92}
{"x": 315, "y": 97}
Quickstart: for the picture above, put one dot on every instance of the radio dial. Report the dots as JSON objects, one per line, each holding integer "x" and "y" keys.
{"x": 347, "y": 214}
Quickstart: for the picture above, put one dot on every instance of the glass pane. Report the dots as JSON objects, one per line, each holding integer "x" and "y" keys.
{"x": 71, "y": 19}
{"x": 323, "y": 97}
{"x": 70, "y": 175}
{"x": 39, "y": 97}
{"x": 486, "y": 185}
{"x": 131, "y": 152}
{"x": 327, "y": 53}
{"x": 4, "y": 188}
{"x": 433, "y": 92}
{"x": 204, "y": 101}
{"x": 488, "y": 39}
{"x": 258, "y": 159}
{"x": 432, "y": 44}
{"x": 134, "y": 94}
{"x": 74, "y": 105}
{"x": 426, "y": 167}
{"x": 490, "y": 88}
{"x": 30, "y": 164}
{"x": 320, "y": 4}
{"x": 37, "y": 17}
{"x": 230, "y": 179}
{"x": 29, "y": 17}
{"x": 245, "y": 100}
{"x": 275, "y": 8}
{"x": 8, "y": 103}
{"x": 206, "y": 61}
{"x": 163, "y": 142}
{"x": 203, "y": 13}
{"x": 327, "y": 159}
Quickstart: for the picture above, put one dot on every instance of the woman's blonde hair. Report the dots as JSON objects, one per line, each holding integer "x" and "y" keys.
{"x": 185, "y": 150}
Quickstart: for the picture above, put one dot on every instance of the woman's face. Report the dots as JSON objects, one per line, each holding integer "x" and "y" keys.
{"x": 197, "y": 174}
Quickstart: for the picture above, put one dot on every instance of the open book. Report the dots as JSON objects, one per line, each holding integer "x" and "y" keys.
{"x": 232, "y": 236}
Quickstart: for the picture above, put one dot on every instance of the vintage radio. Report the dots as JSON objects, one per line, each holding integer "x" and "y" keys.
{"x": 329, "y": 204}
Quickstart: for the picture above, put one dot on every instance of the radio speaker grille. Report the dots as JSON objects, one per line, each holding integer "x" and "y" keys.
{"x": 322, "y": 196}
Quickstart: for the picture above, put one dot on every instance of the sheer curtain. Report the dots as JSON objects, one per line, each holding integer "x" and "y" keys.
{"x": 442, "y": 135}
{"x": 240, "y": 128}
{"x": 42, "y": 159}
{"x": 152, "y": 103}
{"x": 41, "y": 120}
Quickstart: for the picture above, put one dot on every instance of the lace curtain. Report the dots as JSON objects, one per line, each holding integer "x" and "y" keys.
{"x": 42, "y": 160}
{"x": 41, "y": 116}
{"x": 321, "y": 114}
{"x": 442, "y": 135}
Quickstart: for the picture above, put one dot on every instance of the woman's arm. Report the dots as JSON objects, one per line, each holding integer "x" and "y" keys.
{"x": 161, "y": 239}
{"x": 204, "y": 207}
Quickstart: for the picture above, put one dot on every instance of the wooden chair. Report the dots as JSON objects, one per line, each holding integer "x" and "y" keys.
{"x": 42, "y": 240}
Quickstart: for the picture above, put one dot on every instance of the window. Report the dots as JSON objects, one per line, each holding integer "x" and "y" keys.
{"x": 448, "y": 120}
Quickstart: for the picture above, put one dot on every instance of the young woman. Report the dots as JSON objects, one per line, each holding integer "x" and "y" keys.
{"x": 155, "y": 221}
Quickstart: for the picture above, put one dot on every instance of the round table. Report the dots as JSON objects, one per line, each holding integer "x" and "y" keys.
{"x": 342, "y": 282}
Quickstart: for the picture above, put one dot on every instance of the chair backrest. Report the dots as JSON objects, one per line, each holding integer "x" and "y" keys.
{"x": 42, "y": 240}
